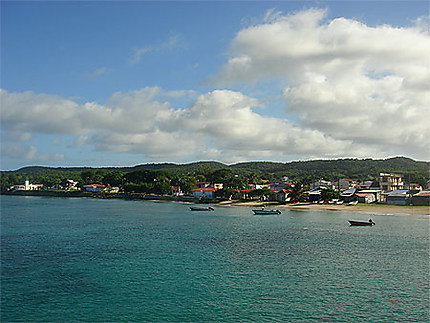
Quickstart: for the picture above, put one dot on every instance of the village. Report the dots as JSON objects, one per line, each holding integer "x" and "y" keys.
{"x": 390, "y": 189}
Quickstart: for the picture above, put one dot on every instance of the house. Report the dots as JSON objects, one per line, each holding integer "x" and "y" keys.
{"x": 282, "y": 196}
{"x": 365, "y": 197}
{"x": 206, "y": 192}
{"x": 348, "y": 195}
{"x": 397, "y": 197}
{"x": 345, "y": 184}
{"x": 27, "y": 186}
{"x": 245, "y": 194}
{"x": 421, "y": 198}
{"x": 218, "y": 186}
{"x": 277, "y": 186}
{"x": 377, "y": 193}
{"x": 95, "y": 188}
{"x": 70, "y": 185}
{"x": 321, "y": 183}
{"x": 112, "y": 189}
{"x": 176, "y": 191}
{"x": 391, "y": 182}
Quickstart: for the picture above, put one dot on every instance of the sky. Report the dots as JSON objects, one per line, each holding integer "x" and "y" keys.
{"x": 106, "y": 83}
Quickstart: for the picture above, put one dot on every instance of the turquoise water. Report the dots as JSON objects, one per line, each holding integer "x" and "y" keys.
{"x": 113, "y": 260}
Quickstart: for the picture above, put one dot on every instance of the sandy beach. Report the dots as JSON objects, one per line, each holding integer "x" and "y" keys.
{"x": 365, "y": 208}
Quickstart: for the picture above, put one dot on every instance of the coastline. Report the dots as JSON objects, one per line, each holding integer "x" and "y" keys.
{"x": 361, "y": 208}
{"x": 368, "y": 208}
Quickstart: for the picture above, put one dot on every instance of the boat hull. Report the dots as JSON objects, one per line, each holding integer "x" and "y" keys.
{"x": 361, "y": 223}
{"x": 196, "y": 208}
{"x": 266, "y": 212}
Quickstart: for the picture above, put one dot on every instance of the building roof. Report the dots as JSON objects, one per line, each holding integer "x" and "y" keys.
{"x": 371, "y": 191}
{"x": 94, "y": 185}
{"x": 363, "y": 194}
{"x": 397, "y": 192}
{"x": 204, "y": 189}
{"x": 423, "y": 193}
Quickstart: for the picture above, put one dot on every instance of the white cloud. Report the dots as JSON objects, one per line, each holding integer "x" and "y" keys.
{"x": 221, "y": 123}
{"x": 169, "y": 44}
{"x": 346, "y": 80}
{"x": 98, "y": 72}
{"x": 350, "y": 90}
{"x": 28, "y": 153}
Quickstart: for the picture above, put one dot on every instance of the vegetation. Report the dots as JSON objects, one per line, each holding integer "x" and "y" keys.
{"x": 158, "y": 178}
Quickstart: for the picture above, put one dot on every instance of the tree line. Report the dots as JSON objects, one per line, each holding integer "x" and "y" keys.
{"x": 158, "y": 178}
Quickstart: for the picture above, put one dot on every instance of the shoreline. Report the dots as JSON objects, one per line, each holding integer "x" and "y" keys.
{"x": 361, "y": 208}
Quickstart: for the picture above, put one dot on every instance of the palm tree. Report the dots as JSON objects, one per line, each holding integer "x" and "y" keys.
{"x": 298, "y": 193}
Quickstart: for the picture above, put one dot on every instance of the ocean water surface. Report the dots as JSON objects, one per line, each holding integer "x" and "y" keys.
{"x": 92, "y": 260}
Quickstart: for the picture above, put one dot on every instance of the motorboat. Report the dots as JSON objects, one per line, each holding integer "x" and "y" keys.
{"x": 266, "y": 212}
{"x": 199, "y": 208}
{"x": 361, "y": 223}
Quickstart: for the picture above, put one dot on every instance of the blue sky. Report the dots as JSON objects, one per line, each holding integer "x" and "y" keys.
{"x": 107, "y": 83}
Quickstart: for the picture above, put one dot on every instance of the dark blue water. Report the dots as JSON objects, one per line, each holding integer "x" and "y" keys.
{"x": 114, "y": 260}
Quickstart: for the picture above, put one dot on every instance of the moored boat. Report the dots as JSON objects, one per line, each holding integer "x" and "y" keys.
{"x": 266, "y": 212}
{"x": 361, "y": 223}
{"x": 199, "y": 208}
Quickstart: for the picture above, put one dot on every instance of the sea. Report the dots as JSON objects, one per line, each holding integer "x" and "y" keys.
{"x": 94, "y": 260}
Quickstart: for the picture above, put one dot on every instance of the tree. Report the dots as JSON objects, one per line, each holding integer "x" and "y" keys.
{"x": 298, "y": 193}
{"x": 92, "y": 176}
{"x": 113, "y": 178}
{"x": 329, "y": 194}
{"x": 261, "y": 193}
{"x": 225, "y": 193}
{"x": 185, "y": 182}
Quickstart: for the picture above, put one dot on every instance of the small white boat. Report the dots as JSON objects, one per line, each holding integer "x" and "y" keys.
{"x": 266, "y": 212}
{"x": 353, "y": 203}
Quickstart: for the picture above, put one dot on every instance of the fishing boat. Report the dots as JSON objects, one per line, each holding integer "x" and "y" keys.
{"x": 266, "y": 212}
{"x": 361, "y": 223}
{"x": 199, "y": 208}
{"x": 353, "y": 203}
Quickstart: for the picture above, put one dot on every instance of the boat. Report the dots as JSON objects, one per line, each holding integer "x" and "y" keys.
{"x": 361, "y": 223}
{"x": 199, "y": 208}
{"x": 353, "y": 203}
{"x": 266, "y": 212}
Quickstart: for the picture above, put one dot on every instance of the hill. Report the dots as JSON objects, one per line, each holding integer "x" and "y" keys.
{"x": 305, "y": 171}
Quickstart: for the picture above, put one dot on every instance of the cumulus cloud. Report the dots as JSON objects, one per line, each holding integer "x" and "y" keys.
{"x": 347, "y": 80}
{"x": 350, "y": 90}
{"x": 222, "y": 123}
{"x": 29, "y": 153}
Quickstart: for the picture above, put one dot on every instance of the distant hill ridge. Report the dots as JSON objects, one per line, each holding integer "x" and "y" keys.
{"x": 350, "y": 168}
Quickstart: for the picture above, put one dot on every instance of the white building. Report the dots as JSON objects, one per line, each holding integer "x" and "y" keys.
{"x": 27, "y": 186}
{"x": 391, "y": 182}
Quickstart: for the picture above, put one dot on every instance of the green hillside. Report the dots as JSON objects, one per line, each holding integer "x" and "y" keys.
{"x": 248, "y": 172}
